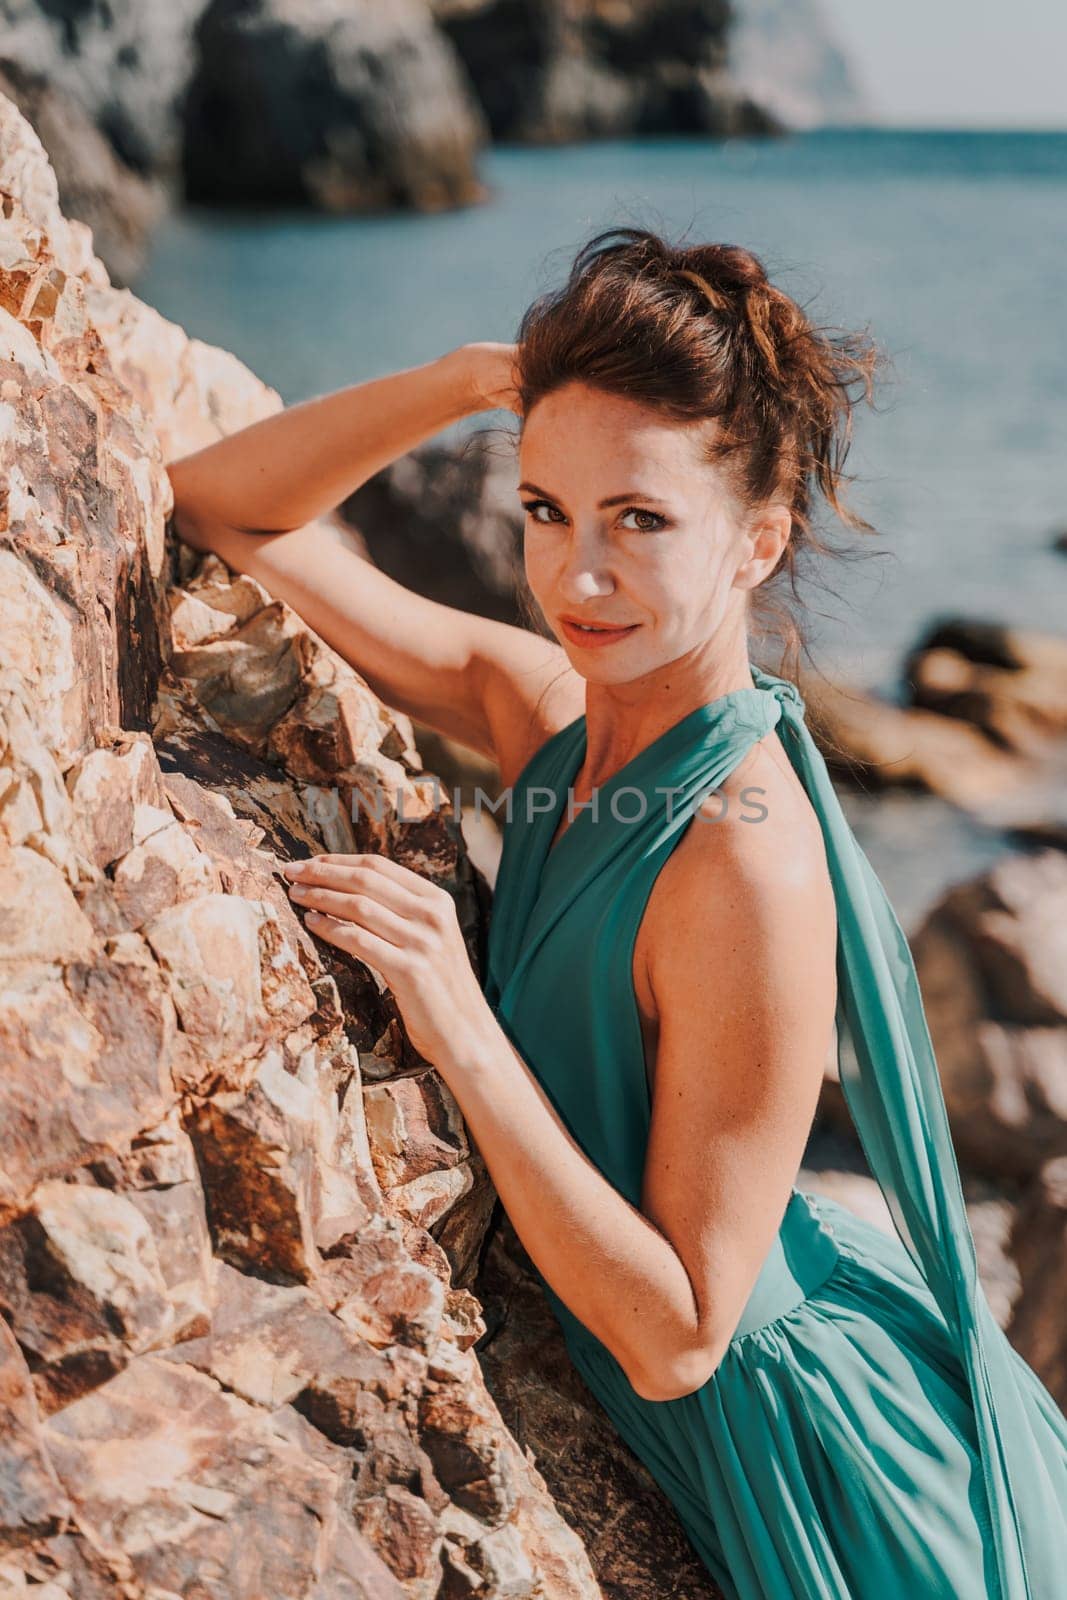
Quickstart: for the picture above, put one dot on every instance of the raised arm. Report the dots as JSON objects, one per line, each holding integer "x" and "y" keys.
{"x": 250, "y": 497}
{"x": 287, "y": 469}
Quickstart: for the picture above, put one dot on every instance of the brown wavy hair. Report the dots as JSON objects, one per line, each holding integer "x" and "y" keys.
{"x": 698, "y": 331}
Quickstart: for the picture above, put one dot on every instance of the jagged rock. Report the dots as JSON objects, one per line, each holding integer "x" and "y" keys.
{"x": 32, "y": 1502}
{"x": 84, "y": 1059}
{"x": 227, "y": 1324}
{"x": 83, "y": 1290}
{"x": 565, "y": 71}
{"x": 204, "y": 1493}
{"x": 991, "y": 961}
{"x": 416, "y": 1129}
{"x": 348, "y": 107}
{"x": 158, "y": 1175}
{"x": 120, "y": 205}
{"x": 116, "y": 1260}
{"x": 102, "y": 86}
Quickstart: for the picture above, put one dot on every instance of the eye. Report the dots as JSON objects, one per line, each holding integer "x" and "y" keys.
{"x": 532, "y": 506}
{"x": 653, "y": 526}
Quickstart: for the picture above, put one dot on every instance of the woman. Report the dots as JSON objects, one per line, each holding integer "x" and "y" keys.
{"x": 833, "y": 1411}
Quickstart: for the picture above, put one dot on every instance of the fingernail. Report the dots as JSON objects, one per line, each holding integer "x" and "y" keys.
{"x": 293, "y": 869}
{"x": 299, "y": 888}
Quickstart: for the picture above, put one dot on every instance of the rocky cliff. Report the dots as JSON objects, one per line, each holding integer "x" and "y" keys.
{"x": 238, "y": 1216}
{"x": 563, "y": 71}
{"x": 349, "y": 105}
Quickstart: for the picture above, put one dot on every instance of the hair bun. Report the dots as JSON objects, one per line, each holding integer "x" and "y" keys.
{"x": 729, "y": 267}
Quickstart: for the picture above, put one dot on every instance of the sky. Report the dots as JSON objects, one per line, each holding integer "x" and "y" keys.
{"x": 959, "y": 63}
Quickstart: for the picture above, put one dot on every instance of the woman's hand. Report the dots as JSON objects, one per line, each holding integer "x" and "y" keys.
{"x": 404, "y": 927}
{"x": 490, "y": 373}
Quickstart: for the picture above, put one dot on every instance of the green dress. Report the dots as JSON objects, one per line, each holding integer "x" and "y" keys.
{"x": 870, "y": 1432}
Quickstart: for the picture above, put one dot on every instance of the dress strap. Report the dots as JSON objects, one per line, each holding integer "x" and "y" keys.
{"x": 894, "y": 1095}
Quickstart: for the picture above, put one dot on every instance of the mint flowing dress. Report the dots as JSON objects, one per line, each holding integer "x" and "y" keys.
{"x": 871, "y": 1432}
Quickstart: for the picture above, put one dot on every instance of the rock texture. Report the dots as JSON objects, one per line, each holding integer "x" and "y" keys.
{"x": 350, "y": 107}
{"x": 238, "y": 1216}
{"x": 102, "y": 82}
{"x": 576, "y": 69}
{"x": 240, "y": 1220}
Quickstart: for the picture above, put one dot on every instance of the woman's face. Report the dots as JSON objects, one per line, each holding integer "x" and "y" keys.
{"x": 627, "y": 523}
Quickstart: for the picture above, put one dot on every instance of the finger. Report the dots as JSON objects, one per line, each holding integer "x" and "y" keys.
{"x": 386, "y": 880}
{"x": 356, "y": 941}
{"x": 356, "y": 908}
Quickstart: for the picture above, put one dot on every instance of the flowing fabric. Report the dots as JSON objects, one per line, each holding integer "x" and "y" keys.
{"x": 871, "y": 1423}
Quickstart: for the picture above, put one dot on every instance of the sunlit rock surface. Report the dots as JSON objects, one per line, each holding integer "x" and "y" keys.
{"x": 238, "y": 1215}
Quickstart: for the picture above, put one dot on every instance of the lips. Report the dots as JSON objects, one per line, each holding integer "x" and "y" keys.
{"x": 592, "y": 636}
{"x": 600, "y": 627}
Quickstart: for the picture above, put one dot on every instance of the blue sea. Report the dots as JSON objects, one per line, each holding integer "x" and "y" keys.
{"x": 949, "y": 247}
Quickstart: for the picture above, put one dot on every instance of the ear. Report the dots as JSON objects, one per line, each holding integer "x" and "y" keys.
{"x": 767, "y": 531}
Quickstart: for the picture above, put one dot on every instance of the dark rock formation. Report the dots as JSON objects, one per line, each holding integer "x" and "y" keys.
{"x": 350, "y": 107}
{"x": 101, "y": 81}
{"x": 556, "y": 71}
{"x": 125, "y": 62}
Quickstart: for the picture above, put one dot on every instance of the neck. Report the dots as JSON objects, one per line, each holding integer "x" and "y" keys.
{"x": 621, "y": 719}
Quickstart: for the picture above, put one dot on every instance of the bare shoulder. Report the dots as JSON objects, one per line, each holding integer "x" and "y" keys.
{"x": 750, "y": 877}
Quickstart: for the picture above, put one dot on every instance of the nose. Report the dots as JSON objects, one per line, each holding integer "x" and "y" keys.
{"x": 586, "y": 570}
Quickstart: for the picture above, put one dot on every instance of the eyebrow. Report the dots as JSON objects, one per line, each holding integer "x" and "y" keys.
{"x": 602, "y": 505}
